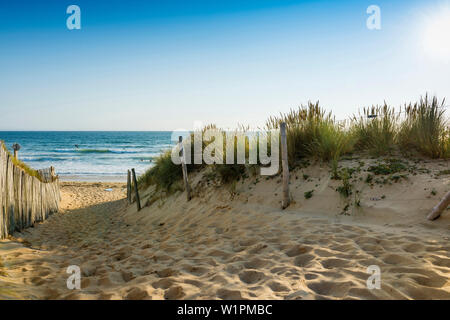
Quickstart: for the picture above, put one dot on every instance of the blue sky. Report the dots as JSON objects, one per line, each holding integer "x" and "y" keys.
{"x": 165, "y": 65}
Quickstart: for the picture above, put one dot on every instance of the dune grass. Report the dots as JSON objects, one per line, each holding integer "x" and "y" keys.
{"x": 304, "y": 128}
{"x": 376, "y": 130}
{"x": 312, "y": 132}
{"x": 331, "y": 142}
{"x": 163, "y": 174}
{"x": 426, "y": 129}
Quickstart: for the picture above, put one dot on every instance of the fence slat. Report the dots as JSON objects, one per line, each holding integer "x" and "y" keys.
{"x": 24, "y": 199}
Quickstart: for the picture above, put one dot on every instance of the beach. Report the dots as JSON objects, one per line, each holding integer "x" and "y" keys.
{"x": 237, "y": 243}
{"x": 225, "y": 150}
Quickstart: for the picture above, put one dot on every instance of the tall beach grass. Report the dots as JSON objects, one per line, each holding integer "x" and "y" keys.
{"x": 376, "y": 129}
{"x": 312, "y": 132}
{"x": 426, "y": 128}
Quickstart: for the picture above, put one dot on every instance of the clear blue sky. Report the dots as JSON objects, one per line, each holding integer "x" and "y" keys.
{"x": 163, "y": 65}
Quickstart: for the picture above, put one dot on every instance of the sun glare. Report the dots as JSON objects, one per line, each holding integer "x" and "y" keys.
{"x": 436, "y": 34}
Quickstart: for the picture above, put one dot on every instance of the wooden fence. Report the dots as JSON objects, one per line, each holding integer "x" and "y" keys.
{"x": 24, "y": 199}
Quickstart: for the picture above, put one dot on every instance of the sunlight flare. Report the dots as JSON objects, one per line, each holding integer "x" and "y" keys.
{"x": 436, "y": 34}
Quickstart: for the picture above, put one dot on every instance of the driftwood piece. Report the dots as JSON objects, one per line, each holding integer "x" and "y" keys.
{"x": 441, "y": 206}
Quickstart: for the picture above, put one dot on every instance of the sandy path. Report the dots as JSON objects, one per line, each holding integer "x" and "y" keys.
{"x": 81, "y": 233}
{"x": 212, "y": 248}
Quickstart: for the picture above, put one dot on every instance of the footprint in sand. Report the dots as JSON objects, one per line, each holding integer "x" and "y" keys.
{"x": 104, "y": 281}
{"x": 195, "y": 283}
{"x": 175, "y": 292}
{"x": 257, "y": 263}
{"x": 136, "y": 294}
{"x": 324, "y": 253}
{"x": 335, "y": 263}
{"x": 233, "y": 269}
{"x": 343, "y": 247}
{"x": 219, "y": 254}
{"x": 195, "y": 270}
{"x": 51, "y": 294}
{"x": 226, "y": 294}
{"x": 297, "y": 250}
{"x": 38, "y": 281}
{"x": 218, "y": 279}
{"x": 165, "y": 273}
{"x": 163, "y": 283}
{"x": 311, "y": 276}
{"x": 330, "y": 288}
{"x": 248, "y": 242}
{"x": 277, "y": 286}
{"x": 257, "y": 248}
{"x": 127, "y": 276}
{"x": 303, "y": 260}
{"x": 397, "y": 259}
{"x": 251, "y": 276}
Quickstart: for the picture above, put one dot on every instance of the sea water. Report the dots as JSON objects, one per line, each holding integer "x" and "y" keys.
{"x": 89, "y": 155}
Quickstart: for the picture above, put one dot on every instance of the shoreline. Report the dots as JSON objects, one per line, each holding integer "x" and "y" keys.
{"x": 93, "y": 179}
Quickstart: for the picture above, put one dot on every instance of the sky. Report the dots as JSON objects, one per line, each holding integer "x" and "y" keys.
{"x": 168, "y": 65}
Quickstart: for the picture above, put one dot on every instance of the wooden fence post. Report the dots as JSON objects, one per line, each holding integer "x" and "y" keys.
{"x": 16, "y": 148}
{"x": 284, "y": 162}
{"x": 184, "y": 169}
{"x": 52, "y": 174}
{"x": 441, "y": 206}
{"x": 129, "y": 186}
{"x": 138, "y": 200}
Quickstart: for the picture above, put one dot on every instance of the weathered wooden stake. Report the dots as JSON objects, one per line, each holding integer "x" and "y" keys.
{"x": 52, "y": 173}
{"x": 284, "y": 162}
{"x": 441, "y": 206}
{"x": 129, "y": 186}
{"x": 184, "y": 169}
{"x": 16, "y": 148}
{"x": 138, "y": 200}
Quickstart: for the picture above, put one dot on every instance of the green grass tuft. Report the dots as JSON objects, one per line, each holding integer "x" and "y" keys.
{"x": 426, "y": 129}
{"x": 163, "y": 174}
{"x": 308, "y": 194}
{"x": 376, "y": 130}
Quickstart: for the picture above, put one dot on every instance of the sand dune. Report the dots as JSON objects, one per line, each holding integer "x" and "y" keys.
{"x": 236, "y": 243}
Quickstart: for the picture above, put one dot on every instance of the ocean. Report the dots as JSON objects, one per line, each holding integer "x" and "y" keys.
{"x": 89, "y": 155}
